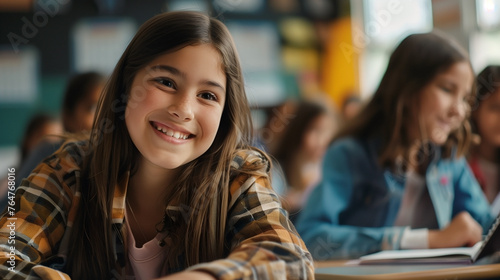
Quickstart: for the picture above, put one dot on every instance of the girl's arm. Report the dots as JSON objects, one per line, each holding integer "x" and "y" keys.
{"x": 463, "y": 230}
{"x": 346, "y": 167}
{"x": 471, "y": 216}
{"x": 263, "y": 242}
{"x": 31, "y": 231}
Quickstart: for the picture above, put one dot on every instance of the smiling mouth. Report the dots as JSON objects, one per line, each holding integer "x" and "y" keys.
{"x": 448, "y": 126}
{"x": 172, "y": 133}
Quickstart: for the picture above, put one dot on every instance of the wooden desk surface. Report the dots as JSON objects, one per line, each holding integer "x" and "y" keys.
{"x": 344, "y": 270}
{"x": 330, "y": 263}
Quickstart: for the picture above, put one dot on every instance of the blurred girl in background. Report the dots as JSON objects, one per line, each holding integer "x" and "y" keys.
{"x": 301, "y": 150}
{"x": 395, "y": 177}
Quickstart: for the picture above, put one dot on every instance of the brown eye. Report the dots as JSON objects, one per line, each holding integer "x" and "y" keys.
{"x": 165, "y": 82}
{"x": 208, "y": 96}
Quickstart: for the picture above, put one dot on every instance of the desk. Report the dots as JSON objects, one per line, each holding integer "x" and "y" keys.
{"x": 345, "y": 270}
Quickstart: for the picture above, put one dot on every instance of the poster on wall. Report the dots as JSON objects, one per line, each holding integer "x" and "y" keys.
{"x": 488, "y": 14}
{"x": 97, "y": 44}
{"x": 258, "y": 46}
{"x": 386, "y": 21}
{"x": 19, "y": 75}
{"x": 188, "y": 5}
{"x": 238, "y": 6}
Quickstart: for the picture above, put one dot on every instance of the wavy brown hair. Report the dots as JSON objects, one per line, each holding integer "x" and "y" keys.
{"x": 412, "y": 65}
{"x": 203, "y": 183}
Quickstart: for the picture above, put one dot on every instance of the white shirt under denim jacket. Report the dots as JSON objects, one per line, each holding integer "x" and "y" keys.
{"x": 353, "y": 209}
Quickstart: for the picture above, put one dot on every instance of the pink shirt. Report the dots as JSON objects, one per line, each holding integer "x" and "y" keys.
{"x": 148, "y": 261}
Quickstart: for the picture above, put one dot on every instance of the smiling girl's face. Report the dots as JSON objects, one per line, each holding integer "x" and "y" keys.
{"x": 175, "y": 105}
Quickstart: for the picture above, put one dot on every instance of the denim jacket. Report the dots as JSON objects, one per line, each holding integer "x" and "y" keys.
{"x": 352, "y": 211}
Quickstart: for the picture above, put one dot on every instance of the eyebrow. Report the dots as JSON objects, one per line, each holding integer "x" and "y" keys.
{"x": 177, "y": 72}
{"x": 453, "y": 83}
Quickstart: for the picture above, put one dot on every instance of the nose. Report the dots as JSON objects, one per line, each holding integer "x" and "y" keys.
{"x": 181, "y": 107}
{"x": 459, "y": 108}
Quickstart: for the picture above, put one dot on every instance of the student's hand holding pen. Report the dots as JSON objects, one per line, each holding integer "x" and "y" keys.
{"x": 463, "y": 230}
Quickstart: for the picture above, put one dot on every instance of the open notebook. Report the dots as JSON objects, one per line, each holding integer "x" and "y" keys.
{"x": 463, "y": 255}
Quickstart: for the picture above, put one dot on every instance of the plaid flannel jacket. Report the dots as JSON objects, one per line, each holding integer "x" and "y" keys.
{"x": 264, "y": 244}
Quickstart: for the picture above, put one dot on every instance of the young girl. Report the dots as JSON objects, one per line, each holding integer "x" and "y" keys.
{"x": 301, "y": 151}
{"x": 395, "y": 177}
{"x": 167, "y": 184}
{"x": 484, "y": 158}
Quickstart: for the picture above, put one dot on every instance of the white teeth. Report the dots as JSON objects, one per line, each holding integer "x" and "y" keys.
{"x": 175, "y": 134}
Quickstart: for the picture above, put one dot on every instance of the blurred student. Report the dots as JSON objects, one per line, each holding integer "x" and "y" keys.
{"x": 277, "y": 118}
{"x": 269, "y": 135}
{"x": 395, "y": 177}
{"x": 40, "y": 127}
{"x": 484, "y": 158}
{"x": 167, "y": 186}
{"x": 80, "y": 101}
{"x": 351, "y": 106}
{"x": 78, "y": 109}
{"x": 300, "y": 152}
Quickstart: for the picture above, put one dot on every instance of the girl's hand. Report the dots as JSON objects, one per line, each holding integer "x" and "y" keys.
{"x": 463, "y": 230}
{"x": 198, "y": 275}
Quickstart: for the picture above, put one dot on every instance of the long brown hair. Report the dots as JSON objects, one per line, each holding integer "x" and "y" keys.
{"x": 412, "y": 65}
{"x": 202, "y": 186}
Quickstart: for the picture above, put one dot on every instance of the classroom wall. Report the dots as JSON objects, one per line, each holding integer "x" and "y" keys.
{"x": 44, "y": 29}
{"x": 48, "y": 31}
{"x": 307, "y": 48}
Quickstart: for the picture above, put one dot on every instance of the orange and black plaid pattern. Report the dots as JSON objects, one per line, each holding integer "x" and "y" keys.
{"x": 264, "y": 244}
